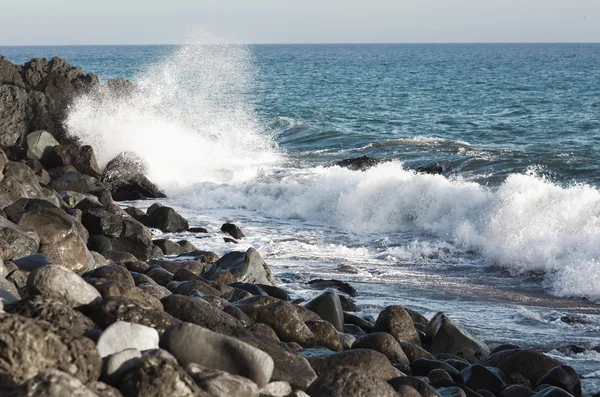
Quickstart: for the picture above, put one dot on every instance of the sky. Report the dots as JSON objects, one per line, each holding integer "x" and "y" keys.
{"x": 74, "y": 22}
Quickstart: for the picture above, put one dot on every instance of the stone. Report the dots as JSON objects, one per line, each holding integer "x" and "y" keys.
{"x": 168, "y": 247}
{"x": 335, "y": 284}
{"x": 52, "y": 383}
{"x": 423, "y": 366}
{"x": 197, "y": 311}
{"x": 220, "y": 383}
{"x": 190, "y": 343}
{"x": 80, "y": 157}
{"x": 58, "y": 282}
{"x": 6, "y": 251}
{"x": 365, "y": 360}
{"x": 419, "y": 385}
{"x": 116, "y": 273}
{"x": 365, "y": 326}
{"x": 100, "y": 222}
{"x": 248, "y": 267}
{"x": 205, "y": 257}
{"x": 22, "y": 241}
{"x": 276, "y": 389}
{"x": 232, "y": 230}
{"x": 345, "y": 382}
{"x": 414, "y": 352}
{"x": 383, "y": 343}
{"x": 447, "y": 337}
{"x": 99, "y": 244}
{"x": 39, "y": 144}
{"x": 531, "y": 364}
{"x": 135, "y": 239}
{"x": 124, "y": 176}
{"x": 329, "y": 307}
{"x": 358, "y": 163}
{"x": 118, "y": 364}
{"x": 167, "y": 220}
{"x": 477, "y": 377}
{"x": 552, "y": 391}
{"x": 325, "y": 335}
{"x": 74, "y": 182}
{"x": 32, "y": 262}
{"x": 453, "y": 391}
{"x": 396, "y": 321}
{"x": 122, "y": 335}
{"x": 186, "y": 246}
{"x": 516, "y": 391}
{"x": 103, "y": 390}
{"x": 564, "y": 377}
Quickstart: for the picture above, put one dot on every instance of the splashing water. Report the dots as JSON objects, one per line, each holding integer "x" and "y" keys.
{"x": 190, "y": 117}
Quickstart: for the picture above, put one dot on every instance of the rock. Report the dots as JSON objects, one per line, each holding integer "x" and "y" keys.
{"x": 121, "y": 335}
{"x": 516, "y": 391}
{"x": 80, "y": 157}
{"x": 190, "y": 343}
{"x": 423, "y": 366}
{"x": 116, "y": 273}
{"x": 552, "y": 391}
{"x": 197, "y": 230}
{"x": 365, "y": 326}
{"x": 365, "y": 360}
{"x": 103, "y": 390}
{"x": 248, "y": 267}
{"x": 124, "y": 176}
{"x": 186, "y": 288}
{"x": 118, "y": 364}
{"x": 197, "y": 311}
{"x": 99, "y": 244}
{"x": 232, "y": 230}
{"x": 220, "y": 383}
{"x": 21, "y": 182}
{"x": 564, "y": 377}
{"x": 358, "y": 163}
{"x": 447, "y": 337}
{"x": 531, "y": 364}
{"x": 276, "y": 389}
{"x": 55, "y": 312}
{"x": 275, "y": 292}
{"x": 329, "y": 307}
{"x": 134, "y": 239}
{"x": 408, "y": 391}
{"x": 440, "y": 378}
{"x": 100, "y": 222}
{"x": 168, "y": 247}
{"x": 397, "y": 322}
{"x": 345, "y": 382}
{"x": 336, "y": 284}
{"x": 205, "y": 257}
{"x": 414, "y": 352}
{"x": 6, "y": 251}
{"x": 58, "y": 282}
{"x": 434, "y": 168}
{"x": 325, "y": 335}
{"x": 174, "y": 265}
{"x": 52, "y": 383}
{"x": 74, "y": 182}
{"x": 33, "y": 346}
{"x": 22, "y": 241}
{"x": 115, "y": 309}
{"x": 13, "y": 108}
{"x": 383, "y": 343}
{"x": 423, "y": 388}
{"x": 167, "y": 220}
{"x": 477, "y": 377}
{"x": 39, "y": 144}
{"x": 8, "y": 292}
{"x": 160, "y": 276}
{"x": 60, "y": 240}
{"x": 186, "y": 246}
{"x": 157, "y": 376}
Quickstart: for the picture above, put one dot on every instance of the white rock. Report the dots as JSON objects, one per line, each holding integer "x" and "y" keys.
{"x": 58, "y": 282}
{"x": 121, "y": 335}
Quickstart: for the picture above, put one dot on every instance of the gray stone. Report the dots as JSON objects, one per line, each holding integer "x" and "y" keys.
{"x": 220, "y": 383}
{"x": 396, "y": 321}
{"x": 329, "y": 307}
{"x": 276, "y": 389}
{"x": 365, "y": 360}
{"x": 53, "y": 383}
{"x": 122, "y": 335}
{"x": 248, "y": 267}
{"x": 23, "y": 241}
{"x": 118, "y": 364}
{"x": 383, "y": 343}
{"x": 345, "y": 382}
{"x": 58, "y": 282}
{"x": 447, "y": 337}
{"x": 190, "y": 343}
{"x": 39, "y": 144}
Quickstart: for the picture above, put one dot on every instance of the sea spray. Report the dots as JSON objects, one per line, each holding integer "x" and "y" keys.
{"x": 190, "y": 117}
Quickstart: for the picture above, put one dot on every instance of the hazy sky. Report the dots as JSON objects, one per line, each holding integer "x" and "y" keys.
{"x": 40, "y": 22}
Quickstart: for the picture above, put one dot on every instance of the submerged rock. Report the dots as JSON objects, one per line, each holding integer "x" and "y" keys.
{"x": 358, "y": 163}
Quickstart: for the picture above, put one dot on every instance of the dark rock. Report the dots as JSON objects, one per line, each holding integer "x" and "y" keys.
{"x": 364, "y": 360}
{"x": 434, "y": 168}
{"x": 22, "y": 241}
{"x": 229, "y": 240}
{"x": 397, "y": 322}
{"x": 447, "y": 337}
{"x": 57, "y": 282}
{"x": 21, "y": 182}
{"x": 100, "y": 222}
{"x": 531, "y": 364}
{"x": 358, "y": 163}
{"x": 365, "y": 325}
{"x": 74, "y": 182}
{"x": 423, "y": 366}
{"x": 275, "y": 292}
{"x": 197, "y": 230}
{"x": 197, "y": 311}
{"x": 186, "y": 288}
{"x": 192, "y": 343}
{"x": 325, "y": 335}
{"x": 336, "y": 284}
{"x": 137, "y": 214}
{"x": 124, "y": 176}
{"x": 99, "y": 244}
{"x": 414, "y": 352}
{"x": 385, "y": 344}
{"x": 552, "y": 391}
{"x": 564, "y": 377}
{"x": 423, "y": 388}
{"x": 186, "y": 246}
{"x": 252, "y": 288}
{"x": 451, "y": 391}
{"x": 440, "y": 378}
{"x": 516, "y": 391}
{"x": 575, "y": 319}
{"x": 80, "y": 157}
{"x": 458, "y": 364}
{"x": 116, "y": 273}
{"x": 118, "y": 364}
{"x": 477, "y": 377}
{"x": 328, "y": 306}
{"x": 168, "y": 247}
{"x": 248, "y": 267}
{"x": 135, "y": 239}
{"x": 221, "y": 383}
{"x": 348, "y": 305}
{"x": 571, "y": 349}
{"x": 344, "y": 382}
{"x": 263, "y": 331}
{"x": 232, "y": 230}
{"x": 167, "y": 220}
{"x": 205, "y": 257}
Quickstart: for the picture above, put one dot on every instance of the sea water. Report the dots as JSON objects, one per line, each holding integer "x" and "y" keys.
{"x": 506, "y": 241}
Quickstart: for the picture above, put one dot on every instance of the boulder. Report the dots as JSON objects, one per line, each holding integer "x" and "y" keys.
{"x": 531, "y": 364}
{"x": 116, "y": 273}
{"x": 335, "y": 284}
{"x": 220, "y": 383}
{"x": 358, "y": 163}
{"x": 124, "y": 176}
{"x": 118, "y": 364}
{"x": 190, "y": 343}
{"x": 248, "y": 267}
{"x": 364, "y": 360}
{"x": 396, "y": 321}
{"x": 418, "y": 384}
{"x": 167, "y": 220}
{"x": 552, "y": 391}
{"x": 23, "y": 241}
{"x": 345, "y": 382}
{"x": 39, "y": 144}
{"x": 477, "y": 377}
{"x": 447, "y": 337}
{"x": 564, "y": 377}
{"x": 134, "y": 239}
{"x": 21, "y": 182}
{"x": 516, "y": 391}
{"x": 232, "y": 230}
{"x": 168, "y": 247}
{"x": 329, "y": 307}
{"x": 74, "y": 182}
{"x": 58, "y": 282}
{"x": 52, "y": 383}
{"x": 385, "y": 344}
{"x": 325, "y": 335}
{"x": 423, "y": 366}
{"x": 80, "y": 157}
{"x": 13, "y": 108}
{"x": 121, "y": 336}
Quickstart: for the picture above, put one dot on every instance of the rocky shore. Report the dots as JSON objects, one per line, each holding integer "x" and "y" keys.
{"x": 91, "y": 305}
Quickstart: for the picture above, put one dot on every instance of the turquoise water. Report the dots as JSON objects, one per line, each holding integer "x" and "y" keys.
{"x": 506, "y": 241}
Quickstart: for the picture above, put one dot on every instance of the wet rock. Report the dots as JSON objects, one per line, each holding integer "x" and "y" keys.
{"x": 115, "y": 309}
{"x": 156, "y": 291}
{"x": 220, "y": 383}
{"x": 55, "y": 312}
{"x": 275, "y": 292}
{"x": 440, "y": 378}
{"x": 167, "y": 220}
{"x": 345, "y": 382}
{"x": 186, "y": 246}
{"x": 447, "y": 337}
{"x": 158, "y": 377}
{"x": 175, "y": 265}
{"x": 232, "y": 230}
{"x": 168, "y": 247}
{"x": 121, "y": 335}
{"x": 365, "y": 360}
{"x": 434, "y": 168}
{"x": 397, "y": 322}
{"x": 364, "y": 324}
{"x": 414, "y": 352}
{"x": 552, "y": 391}
{"x": 52, "y": 383}
{"x": 335, "y": 284}
{"x": 423, "y": 388}
{"x": 329, "y": 307}
{"x": 325, "y": 335}
{"x": 135, "y": 239}
{"x": 60, "y": 283}
{"x": 531, "y": 364}
{"x": 191, "y": 343}
{"x": 385, "y": 344}
{"x": 479, "y": 377}
{"x": 100, "y": 222}
{"x": 124, "y": 176}
{"x": 289, "y": 365}
{"x": 248, "y": 267}
{"x": 160, "y": 276}
{"x": 516, "y": 391}
{"x": 358, "y": 163}
{"x": 22, "y": 241}
{"x": 408, "y": 391}
{"x": 99, "y": 244}
{"x": 186, "y": 288}
{"x": 564, "y": 377}
{"x": 205, "y": 257}
{"x": 197, "y": 311}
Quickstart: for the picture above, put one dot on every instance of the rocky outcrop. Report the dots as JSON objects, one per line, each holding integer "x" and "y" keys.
{"x": 125, "y": 177}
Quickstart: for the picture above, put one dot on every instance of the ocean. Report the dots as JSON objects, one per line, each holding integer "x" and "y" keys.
{"x": 506, "y": 240}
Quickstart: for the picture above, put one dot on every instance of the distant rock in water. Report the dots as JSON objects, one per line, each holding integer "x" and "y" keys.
{"x": 124, "y": 176}
{"x": 359, "y": 163}
{"x": 435, "y": 168}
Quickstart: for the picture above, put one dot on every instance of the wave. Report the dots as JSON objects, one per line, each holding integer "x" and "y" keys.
{"x": 191, "y": 117}
{"x": 526, "y": 224}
